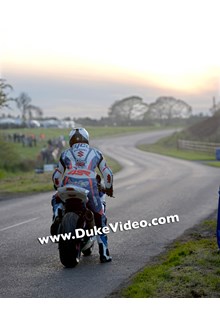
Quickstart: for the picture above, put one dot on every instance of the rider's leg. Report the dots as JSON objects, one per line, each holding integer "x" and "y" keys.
{"x": 56, "y": 206}
{"x": 101, "y": 221}
{"x": 98, "y": 208}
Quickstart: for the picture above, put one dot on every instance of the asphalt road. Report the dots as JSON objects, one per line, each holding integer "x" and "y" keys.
{"x": 150, "y": 186}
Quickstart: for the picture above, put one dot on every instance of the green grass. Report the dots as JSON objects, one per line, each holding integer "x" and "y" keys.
{"x": 213, "y": 163}
{"x": 31, "y": 182}
{"x": 28, "y": 182}
{"x": 168, "y": 146}
{"x": 52, "y": 133}
{"x": 177, "y": 153}
{"x": 189, "y": 268}
{"x": 94, "y": 132}
{"x": 204, "y": 158}
{"x": 13, "y": 181}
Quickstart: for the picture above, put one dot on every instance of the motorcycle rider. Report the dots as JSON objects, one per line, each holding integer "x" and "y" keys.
{"x": 77, "y": 166}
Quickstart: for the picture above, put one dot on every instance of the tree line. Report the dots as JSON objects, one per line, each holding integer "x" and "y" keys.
{"x": 134, "y": 110}
{"x": 127, "y": 111}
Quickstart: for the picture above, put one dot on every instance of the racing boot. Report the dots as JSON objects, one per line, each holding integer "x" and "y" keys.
{"x": 88, "y": 242}
{"x": 103, "y": 249}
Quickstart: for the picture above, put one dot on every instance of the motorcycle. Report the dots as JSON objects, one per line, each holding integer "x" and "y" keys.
{"x": 74, "y": 215}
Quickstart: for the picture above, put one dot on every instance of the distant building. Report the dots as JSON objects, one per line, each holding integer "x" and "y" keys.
{"x": 9, "y": 122}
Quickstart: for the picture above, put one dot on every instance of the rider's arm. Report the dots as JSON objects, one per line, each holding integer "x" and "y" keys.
{"x": 58, "y": 173}
{"x": 107, "y": 175}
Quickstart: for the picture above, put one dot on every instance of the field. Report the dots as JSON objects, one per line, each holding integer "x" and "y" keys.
{"x": 19, "y": 163}
{"x": 54, "y": 133}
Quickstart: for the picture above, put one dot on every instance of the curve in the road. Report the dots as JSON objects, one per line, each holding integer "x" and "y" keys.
{"x": 149, "y": 186}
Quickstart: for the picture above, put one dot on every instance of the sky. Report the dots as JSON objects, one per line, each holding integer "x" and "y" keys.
{"x": 76, "y": 58}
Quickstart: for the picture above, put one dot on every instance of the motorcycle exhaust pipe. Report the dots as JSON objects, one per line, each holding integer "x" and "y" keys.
{"x": 89, "y": 217}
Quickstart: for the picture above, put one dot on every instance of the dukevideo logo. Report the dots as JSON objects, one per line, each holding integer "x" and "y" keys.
{"x": 111, "y": 227}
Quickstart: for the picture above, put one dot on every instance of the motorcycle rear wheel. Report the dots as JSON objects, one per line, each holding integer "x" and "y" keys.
{"x": 69, "y": 250}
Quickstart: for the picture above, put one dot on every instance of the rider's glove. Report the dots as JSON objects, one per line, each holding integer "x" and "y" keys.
{"x": 109, "y": 191}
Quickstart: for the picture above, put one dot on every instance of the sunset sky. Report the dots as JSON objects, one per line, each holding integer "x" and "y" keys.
{"x": 75, "y": 58}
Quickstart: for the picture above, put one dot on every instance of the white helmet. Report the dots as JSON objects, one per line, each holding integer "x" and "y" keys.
{"x": 78, "y": 135}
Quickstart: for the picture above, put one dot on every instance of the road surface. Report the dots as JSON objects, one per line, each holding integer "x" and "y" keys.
{"x": 149, "y": 186}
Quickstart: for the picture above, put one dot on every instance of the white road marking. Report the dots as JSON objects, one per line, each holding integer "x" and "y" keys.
{"x": 130, "y": 186}
{"x": 18, "y": 224}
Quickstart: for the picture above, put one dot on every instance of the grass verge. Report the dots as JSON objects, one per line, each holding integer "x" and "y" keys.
{"x": 31, "y": 182}
{"x": 161, "y": 148}
{"x": 190, "y": 267}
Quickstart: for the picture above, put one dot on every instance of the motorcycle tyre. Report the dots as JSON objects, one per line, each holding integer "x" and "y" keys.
{"x": 69, "y": 250}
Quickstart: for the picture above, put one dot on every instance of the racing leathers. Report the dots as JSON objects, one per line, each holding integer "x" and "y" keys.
{"x": 77, "y": 166}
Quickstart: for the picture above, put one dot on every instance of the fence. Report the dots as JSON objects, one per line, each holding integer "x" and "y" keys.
{"x": 207, "y": 147}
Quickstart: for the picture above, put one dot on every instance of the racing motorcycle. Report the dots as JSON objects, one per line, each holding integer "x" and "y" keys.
{"x": 72, "y": 216}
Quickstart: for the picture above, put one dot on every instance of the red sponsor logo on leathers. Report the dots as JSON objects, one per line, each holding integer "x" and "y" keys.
{"x": 109, "y": 178}
{"x": 79, "y": 172}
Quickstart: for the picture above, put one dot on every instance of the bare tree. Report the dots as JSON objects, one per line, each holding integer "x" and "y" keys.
{"x": 4, "y": 93}
{"x": 38, "y": 112}
{"x": 23, "y": 104}
{"x": 27, "y": 109}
